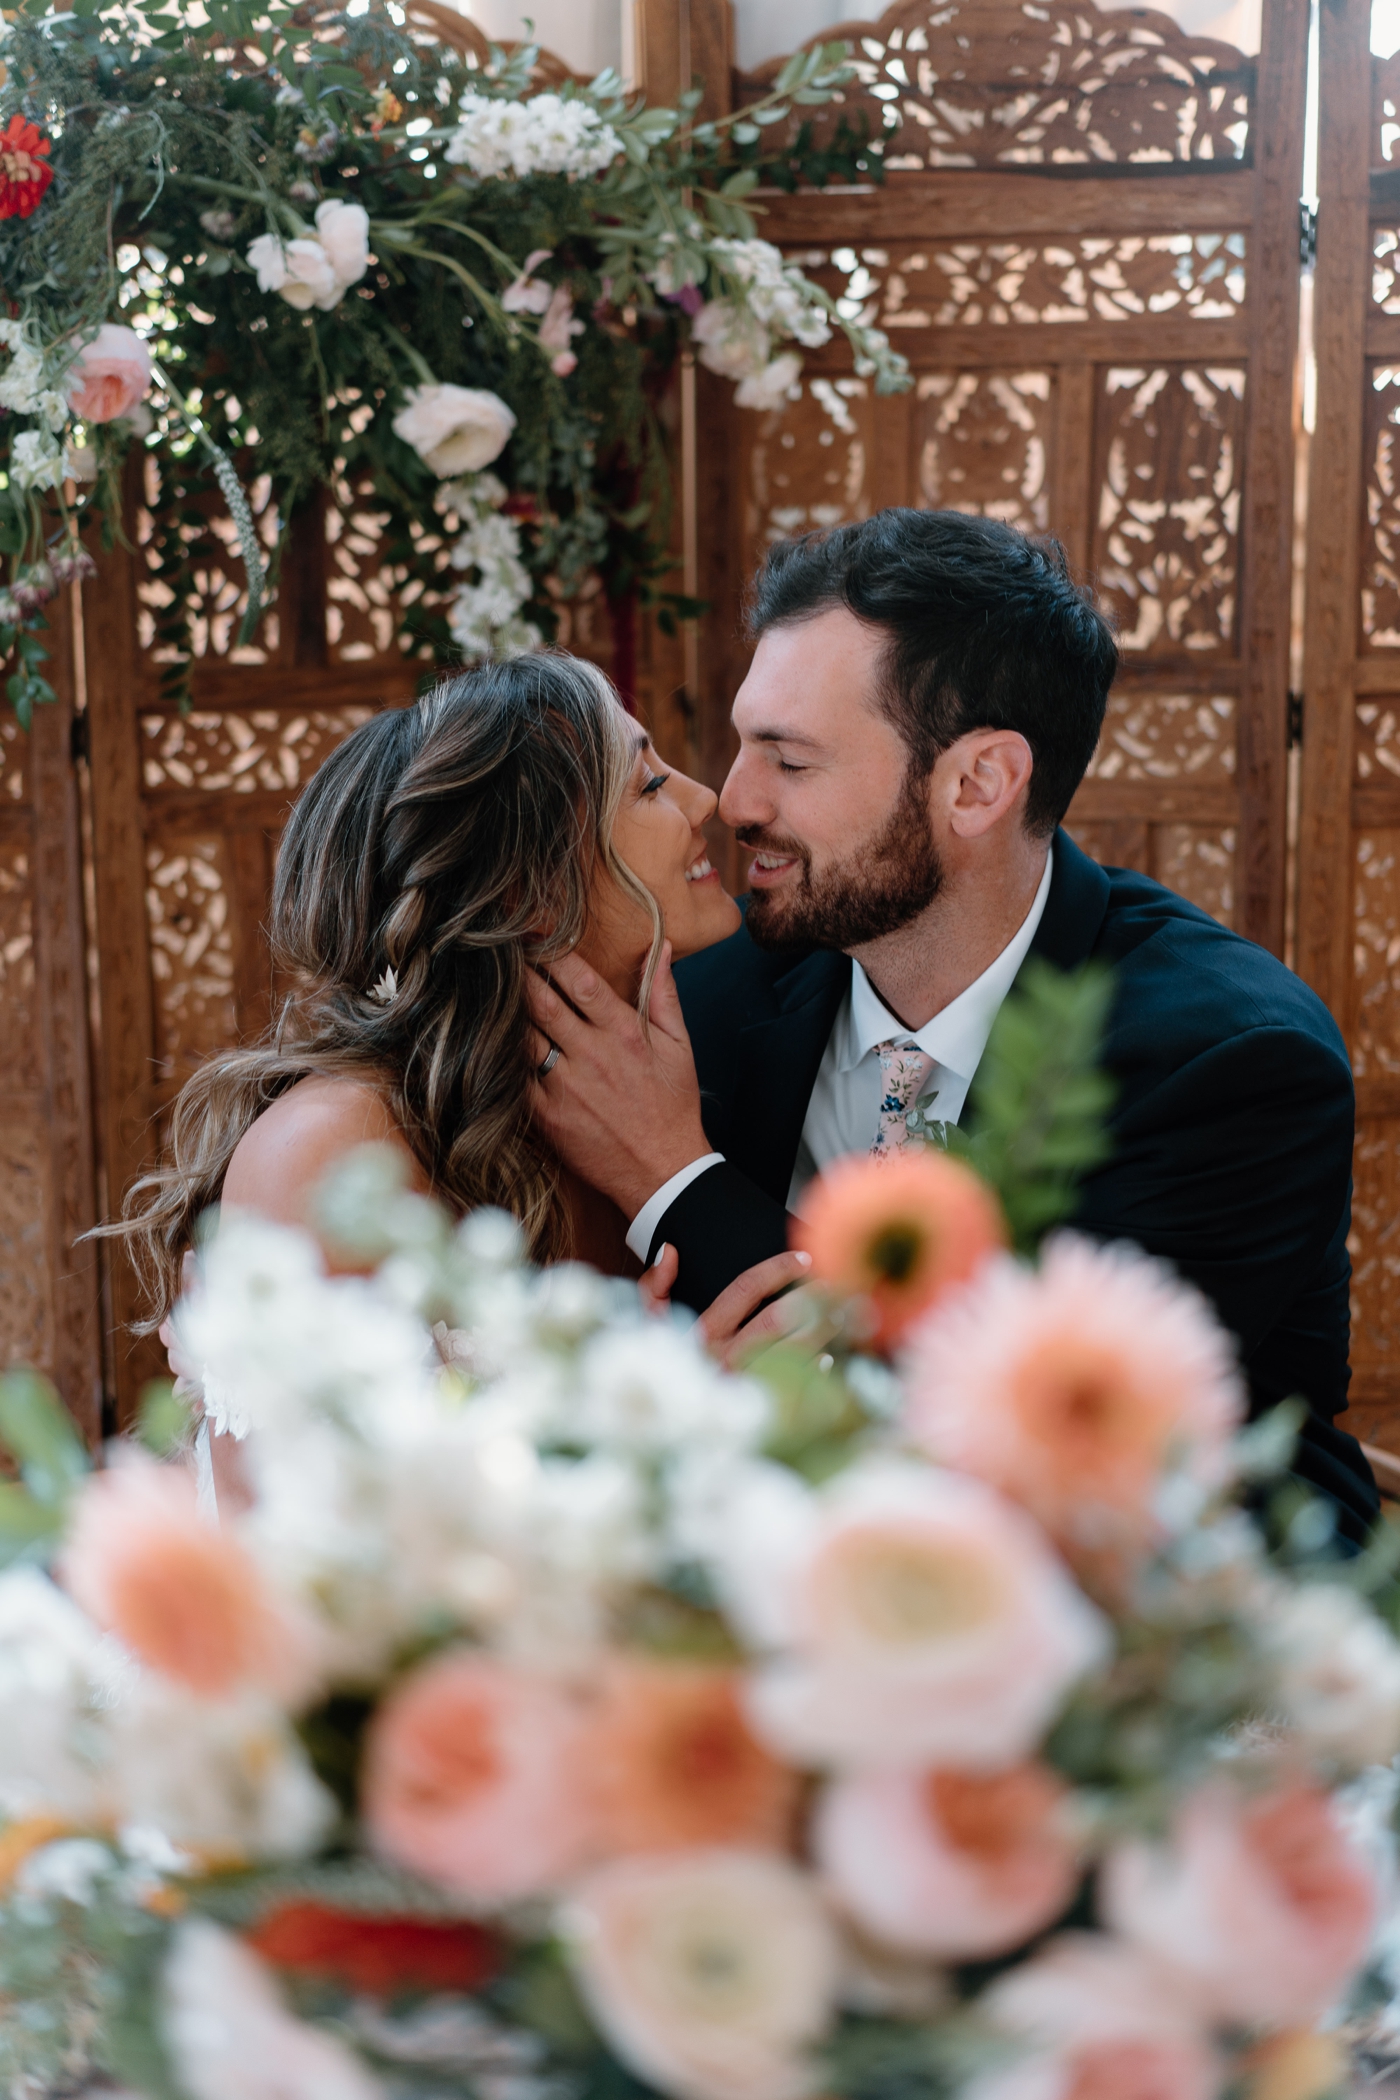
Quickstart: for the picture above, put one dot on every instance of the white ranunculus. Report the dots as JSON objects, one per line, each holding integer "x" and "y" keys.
{"x": 711, "y": 1973}
{"x": 230, "y": 2037}
{"x": 770, "y": 387}
{"x": 454, "y": 429}
{"x": 227, "y": 1778}
{"x": 1338, "y": 1672}
{"x": 732, "y": 341}
{"x": 301, "y": 271}
{"x": 36, "y": 460}
{"x": 343, "y": 231}
{"x": 912, "y": 1617}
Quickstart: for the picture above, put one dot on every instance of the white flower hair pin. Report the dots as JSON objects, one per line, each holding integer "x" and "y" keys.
{"x": 386, "y": 990}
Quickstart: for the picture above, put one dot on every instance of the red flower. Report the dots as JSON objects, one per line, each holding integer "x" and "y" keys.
{"x": 378, "y": 1955}
{"x": 525, "y": 508}
{"x": 25, "y": 173}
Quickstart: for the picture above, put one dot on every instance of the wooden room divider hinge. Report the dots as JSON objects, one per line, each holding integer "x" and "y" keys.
{"x": 1307, "y": 235}
{"x": 1295, "y": 721}
{"x": 79, "y": 743}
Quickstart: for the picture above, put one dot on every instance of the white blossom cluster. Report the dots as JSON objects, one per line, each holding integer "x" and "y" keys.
{"x": 592, "y": 1446}
{"x": 31, "y": 386}
{"x": 547, "y": 135}
{"x": 485, "y": 615}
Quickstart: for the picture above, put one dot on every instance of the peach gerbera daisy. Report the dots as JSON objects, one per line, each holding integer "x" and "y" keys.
{"x": 899, "y": 1231}
{"x": 675, "y": 1763}
{"x": 1076, "y": 1388}
{"x": 180, "y": 1592}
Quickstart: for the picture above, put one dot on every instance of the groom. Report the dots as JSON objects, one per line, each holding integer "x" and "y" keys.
{"x": 925, "y": 696}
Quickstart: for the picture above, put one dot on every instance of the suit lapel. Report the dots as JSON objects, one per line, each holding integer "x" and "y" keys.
{"x": 777, "y": 1068}
{"x": 1074, "y": 910}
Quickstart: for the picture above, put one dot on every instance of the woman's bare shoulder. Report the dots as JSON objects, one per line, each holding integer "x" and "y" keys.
{"x": 286, "y": 1152}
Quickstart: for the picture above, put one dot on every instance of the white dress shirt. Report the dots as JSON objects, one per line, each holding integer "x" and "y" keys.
{"x": 844, "y": 1111}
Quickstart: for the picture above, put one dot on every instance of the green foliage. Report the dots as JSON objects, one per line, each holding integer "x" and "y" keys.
{"x": 905, "y": 2059}
{"x": 37, "y": 1433}
{"x": 1040, "y": 1102}
{"x": 174, "y": 148}
{"x": 162, "y": 1418}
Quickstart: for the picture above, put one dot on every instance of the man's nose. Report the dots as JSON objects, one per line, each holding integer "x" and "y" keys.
{"x": 741, "y": 799}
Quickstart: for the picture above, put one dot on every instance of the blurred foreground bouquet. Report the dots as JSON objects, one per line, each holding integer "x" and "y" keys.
{"x": 914, "y": 1714}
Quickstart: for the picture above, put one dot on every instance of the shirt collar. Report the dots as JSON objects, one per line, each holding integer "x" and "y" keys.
{"x": 956, "y": 1037}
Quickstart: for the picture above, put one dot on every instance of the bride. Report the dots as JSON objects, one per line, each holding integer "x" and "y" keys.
{"x": 513, "y": 815}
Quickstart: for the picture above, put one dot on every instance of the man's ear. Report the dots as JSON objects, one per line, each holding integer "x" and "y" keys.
{"x": 987, "y": 776}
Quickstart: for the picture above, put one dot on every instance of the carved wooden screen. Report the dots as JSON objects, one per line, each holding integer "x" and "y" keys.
{"x": 1087, "y": 246}
{"x": 1349, "y": 841}
{"x": 49, "y": 1313}
{"x": 187, "y": 808}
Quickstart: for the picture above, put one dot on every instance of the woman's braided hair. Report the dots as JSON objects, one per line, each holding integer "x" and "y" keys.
{"x": 455, "y": 842}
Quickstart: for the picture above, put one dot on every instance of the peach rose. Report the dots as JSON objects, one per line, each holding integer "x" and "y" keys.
{"x": 1264, "y": 1906}
{"x": 675, "y": 1763}
{"x": 109, "y": 375}
{"x": 956, "y": 1865}
{"x": 710, "y": 1973}
{"x": 178, "y": 1591}
{"x": 913, "y": 1617}
{"x": 474, "y": 1778}
{"x": 1075, "y": 1388}
{"x": 1100, "y": 2024}
{"x": 900, "y": 1231}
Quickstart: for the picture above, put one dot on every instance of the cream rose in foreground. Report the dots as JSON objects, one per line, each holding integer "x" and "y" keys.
{"x": 1098, "y": 2022}
{"x": 711, "y": 1972}
{"x": 1075, "y": 1387}
{"x": 912, "y": 1618}
{"x": 473, "y": 1778}
{"x": 1338, "y": 1672}
{"x": 454, "y": 429}
{"x": 109, "y": 375}
{"x": 1263, "y": 1906}
{"x": 231, "y": 2038}
{"x": 956, "y": 1865}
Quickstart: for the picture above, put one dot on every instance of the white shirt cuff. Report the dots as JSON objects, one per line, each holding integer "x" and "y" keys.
{"x": 643, "y": 1227}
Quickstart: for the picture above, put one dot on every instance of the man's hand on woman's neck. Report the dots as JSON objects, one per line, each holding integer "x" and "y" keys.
{"x": 977, "y": 912}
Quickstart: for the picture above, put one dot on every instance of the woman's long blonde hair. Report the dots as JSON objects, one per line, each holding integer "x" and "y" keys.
{"x": 456, "y": 843}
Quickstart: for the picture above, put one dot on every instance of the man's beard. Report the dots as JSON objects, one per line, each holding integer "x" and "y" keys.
{"x": 876, "y": 891}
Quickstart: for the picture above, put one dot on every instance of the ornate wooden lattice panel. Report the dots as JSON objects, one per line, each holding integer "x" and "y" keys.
{"x": 48, "y": 1281}
{"x": 1087, "y": 249}
{"x": 187, "y": 809}
{"x": 1349, "y": 840}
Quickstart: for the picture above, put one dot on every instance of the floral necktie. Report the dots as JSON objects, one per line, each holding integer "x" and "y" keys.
{"x": 905, "y": 1070}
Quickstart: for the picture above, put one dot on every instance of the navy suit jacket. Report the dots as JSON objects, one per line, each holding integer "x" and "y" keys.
{"x": 1232, "y": 1130}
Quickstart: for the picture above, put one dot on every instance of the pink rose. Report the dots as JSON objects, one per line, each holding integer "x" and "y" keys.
{"x": 1265, "y": 1905}
{"x": 955, "y": 1865}
{"x": 109, "y": 375}
{"x": 1101, "y": 2024}
{"x": 1077, "y": 1388}
{"x": 912, "y": 1617}
{"x": 473, "y": 1778}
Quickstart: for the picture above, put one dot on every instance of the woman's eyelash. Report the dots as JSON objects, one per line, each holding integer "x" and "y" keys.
{"x": 657, "y": 780}
{"x": 784, "y": 767}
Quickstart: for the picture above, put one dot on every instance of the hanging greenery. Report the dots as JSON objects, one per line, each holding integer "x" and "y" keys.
{"x": 322, "y": 248}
